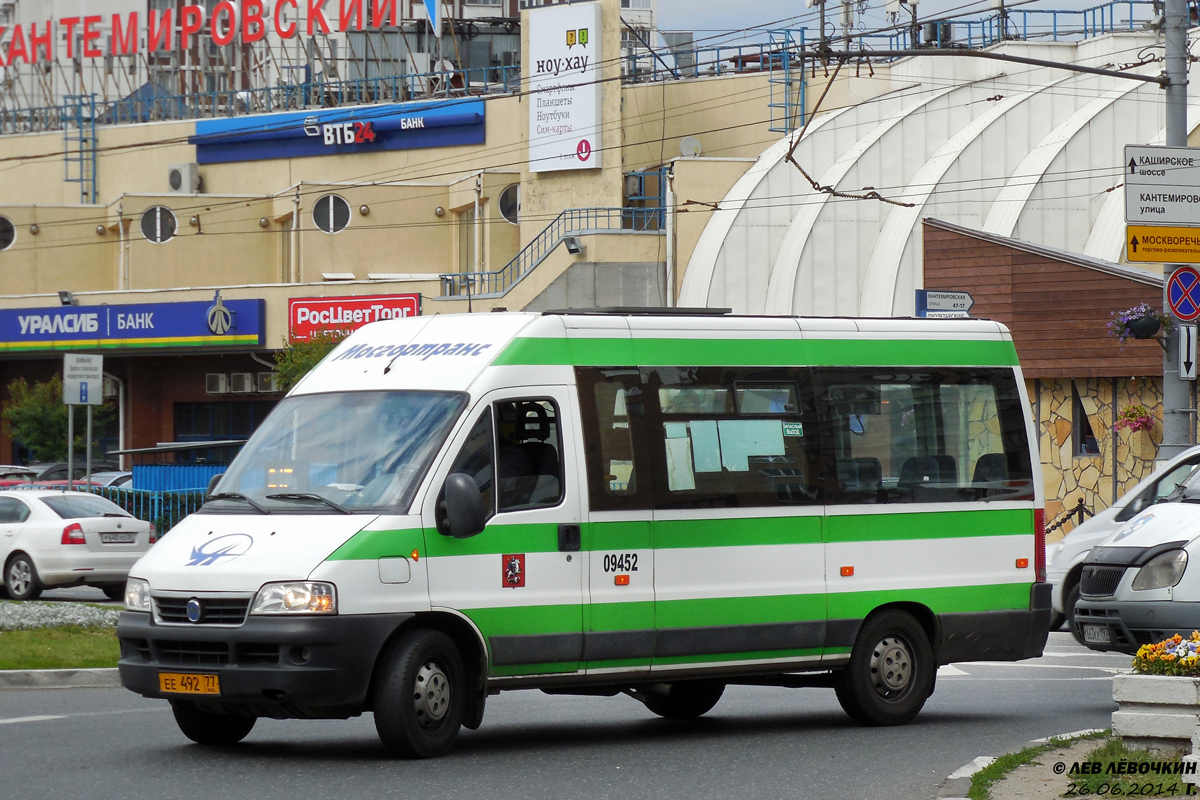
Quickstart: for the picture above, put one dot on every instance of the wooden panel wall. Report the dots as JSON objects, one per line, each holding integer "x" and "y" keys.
{"x": 1058, "y": 312}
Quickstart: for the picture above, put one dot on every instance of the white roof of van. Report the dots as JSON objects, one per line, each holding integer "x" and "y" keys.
{"x": 450, "y": 352}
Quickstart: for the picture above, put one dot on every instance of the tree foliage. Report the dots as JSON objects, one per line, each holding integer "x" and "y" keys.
{"x": 36, "y": 417}
{"x": 297, "y": 359}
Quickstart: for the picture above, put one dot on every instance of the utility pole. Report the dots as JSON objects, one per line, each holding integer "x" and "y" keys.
{"x": 1179, "y": 423}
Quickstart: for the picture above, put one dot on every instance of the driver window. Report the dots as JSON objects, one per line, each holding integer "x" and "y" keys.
{"x": 529, "y": 454}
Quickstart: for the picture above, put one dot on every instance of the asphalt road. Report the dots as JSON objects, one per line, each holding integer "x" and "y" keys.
{"x": 757, "y": 743}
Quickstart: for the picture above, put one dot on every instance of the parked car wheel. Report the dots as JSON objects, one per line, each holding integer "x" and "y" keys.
{"x": 114, "y": 591}
{"x": 20, "y": 578}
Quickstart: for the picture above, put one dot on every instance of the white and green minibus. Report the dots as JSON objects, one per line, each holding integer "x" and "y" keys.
{"x": 640, "y": 502}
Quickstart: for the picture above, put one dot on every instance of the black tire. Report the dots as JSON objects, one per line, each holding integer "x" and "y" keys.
{"x": 421, "y": 695}
{"x": 204, "y": 727}
{"x": 1071, "y": 598}
{"x": 684, "y": 700}
{"x": 890, "y": 673}
{"x": 114, "y": 591}
{"x": 21, "y": 579}
{"x": 1056, "y": 620}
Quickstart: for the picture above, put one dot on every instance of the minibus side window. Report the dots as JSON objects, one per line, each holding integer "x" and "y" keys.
{"x": 924, "y": 436}
{"x": 610, "y": 401}
{"x": 529, "y": 454}
{"x": 724, "y": 437}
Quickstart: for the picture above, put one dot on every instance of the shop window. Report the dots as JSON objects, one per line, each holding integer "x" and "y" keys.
{"x": 1082, "y": 435}
{"x": 8, "y": 233}
{"x": 331, "y": 214}
{"x": 158, "y": 224}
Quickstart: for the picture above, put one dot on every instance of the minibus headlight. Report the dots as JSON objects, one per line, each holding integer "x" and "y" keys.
{"x": 1161, "y": 571}
{"x": 296, "y": 597}
{"x": 137, "y": 595}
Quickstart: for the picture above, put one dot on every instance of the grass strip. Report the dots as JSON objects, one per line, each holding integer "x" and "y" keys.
{"x": 68, "y": 647}
{"x": 982, "y": 781}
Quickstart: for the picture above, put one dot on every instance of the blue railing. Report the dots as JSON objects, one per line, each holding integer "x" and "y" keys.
{"x": 164, "y": 509}
{"x": 571, "y": 221}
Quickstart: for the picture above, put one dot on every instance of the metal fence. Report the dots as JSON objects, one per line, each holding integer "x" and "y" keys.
{"x": 164, "y": 509}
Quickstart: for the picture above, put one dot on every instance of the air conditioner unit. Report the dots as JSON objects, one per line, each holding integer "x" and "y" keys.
{"x": 109, "y": 387}
{"x": 241, "y": 382}
{"x": 216, "y": 383}
{"x": 183, "y": 178}
{"x": 268, "y": 382}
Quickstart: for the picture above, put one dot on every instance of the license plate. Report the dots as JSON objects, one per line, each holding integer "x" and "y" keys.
{"x": 118, "y": 538}
{"x": 188, "y": 683}
{"x": 1096, "y": 633}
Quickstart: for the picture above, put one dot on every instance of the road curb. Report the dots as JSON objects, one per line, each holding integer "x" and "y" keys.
{"x": 957, "y": 784}
{"x": 101, "y": 678}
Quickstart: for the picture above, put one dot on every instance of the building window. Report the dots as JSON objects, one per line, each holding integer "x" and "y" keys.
{"x": 331, "y": 213}
{"x": 482, "y": 2}
{"x": 1082, "y": 435}
{"x": 158, "y": 224}
{"x": 637, "y": 5}
{"x": 510, "y": 203}
{"x": 8, "y": 233}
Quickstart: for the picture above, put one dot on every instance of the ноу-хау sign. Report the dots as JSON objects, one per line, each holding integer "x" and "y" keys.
{"x": 564, "y": 87}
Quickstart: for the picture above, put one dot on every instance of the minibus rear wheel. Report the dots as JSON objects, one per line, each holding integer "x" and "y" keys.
{"x": 204, "y": 727}
{"x": 890, "y": 672}
{"x": 421, "y": 696}
{"x": 685, "y": 699}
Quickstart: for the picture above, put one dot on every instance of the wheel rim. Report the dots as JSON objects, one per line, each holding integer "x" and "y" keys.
{"x": 891, "y": 667}
{"x": 431, "y": 694}
{"x": 20, "y": 577}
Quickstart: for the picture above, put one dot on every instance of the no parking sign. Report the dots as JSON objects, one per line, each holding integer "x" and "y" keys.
{"x": 1183, "y": 293}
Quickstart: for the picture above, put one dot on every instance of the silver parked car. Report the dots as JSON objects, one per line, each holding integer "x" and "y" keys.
{"x": 1064, "y": 560}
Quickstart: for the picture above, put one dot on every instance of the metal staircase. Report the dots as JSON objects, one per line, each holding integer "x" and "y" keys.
{"x": 786, "y": 80}
{"x": 79, "y": 144}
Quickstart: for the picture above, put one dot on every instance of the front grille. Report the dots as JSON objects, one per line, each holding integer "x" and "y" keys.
{"x": 213, "y": 611}
{"x": 258, "y": 653}
{"x": 203, "y": 653}
{"x": 1100, "y": 581}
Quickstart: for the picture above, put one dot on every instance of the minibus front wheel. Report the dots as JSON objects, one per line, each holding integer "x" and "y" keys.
{"x": 890, "y": 672}
{"x": 422, "y": 695}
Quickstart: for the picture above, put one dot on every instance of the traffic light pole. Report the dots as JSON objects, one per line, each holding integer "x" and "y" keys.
{"x": 1179, "y": 423}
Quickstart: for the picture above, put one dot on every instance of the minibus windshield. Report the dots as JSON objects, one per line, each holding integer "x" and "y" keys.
{"x": 342, "y": 452}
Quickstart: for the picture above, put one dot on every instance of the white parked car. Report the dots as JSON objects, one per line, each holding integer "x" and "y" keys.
{"x": 51, "y": 539}
{"x": 1064, "y": 560}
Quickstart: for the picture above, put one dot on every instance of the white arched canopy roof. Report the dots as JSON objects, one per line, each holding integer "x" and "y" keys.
{"x": 1018, "y": 151}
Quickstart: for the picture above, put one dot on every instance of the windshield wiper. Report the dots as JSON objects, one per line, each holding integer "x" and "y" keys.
{"x": 309, "y": 496}
{"x": 239, "y": 496}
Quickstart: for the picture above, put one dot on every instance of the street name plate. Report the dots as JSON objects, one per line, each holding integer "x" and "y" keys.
{"x": 1162, "y": 185}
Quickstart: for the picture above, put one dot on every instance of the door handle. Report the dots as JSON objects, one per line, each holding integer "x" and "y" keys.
{"x": 568, "y": 538}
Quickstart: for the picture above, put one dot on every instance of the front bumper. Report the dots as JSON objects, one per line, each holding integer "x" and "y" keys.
{"x": 271, "y": 666}
{"x": 1131, "y": 624}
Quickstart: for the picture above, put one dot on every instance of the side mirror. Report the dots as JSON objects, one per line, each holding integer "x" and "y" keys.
{"x": 465, "y": 514}
{"x": 212, "y": 484}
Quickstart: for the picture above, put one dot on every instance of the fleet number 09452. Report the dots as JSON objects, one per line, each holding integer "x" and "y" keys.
{"x": 620, "y": 562}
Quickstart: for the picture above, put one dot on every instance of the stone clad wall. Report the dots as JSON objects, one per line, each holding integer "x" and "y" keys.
{"x": 1127, "y": 455}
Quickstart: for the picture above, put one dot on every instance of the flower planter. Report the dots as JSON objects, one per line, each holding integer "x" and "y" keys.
{"x": 1159, "y": 713}
{"x": 1143, "y": 328}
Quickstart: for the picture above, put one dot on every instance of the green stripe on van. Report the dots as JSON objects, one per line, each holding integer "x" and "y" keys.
{"x": 950, "y": 599}
{"x": 929, "y": 524}
{"x": 699, "y": 532}
{"x": 596, "y": 352}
